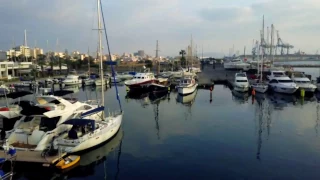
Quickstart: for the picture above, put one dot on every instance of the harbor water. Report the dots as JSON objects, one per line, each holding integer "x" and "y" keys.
{"x": 223, "y": 135}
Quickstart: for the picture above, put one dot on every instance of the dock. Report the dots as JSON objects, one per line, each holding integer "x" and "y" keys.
{"x": 34, "y": 157}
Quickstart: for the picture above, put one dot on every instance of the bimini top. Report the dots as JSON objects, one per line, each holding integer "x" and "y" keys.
{"x": 17, "y": 94}
{"x": 80, "y": 122}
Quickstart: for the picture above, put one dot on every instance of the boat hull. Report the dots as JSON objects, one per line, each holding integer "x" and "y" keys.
{"x": 187, "y": 90}
{"x": 141, "y": 86}
{"x": 285, "y": 90}
{"x": 69, "y": 83}
{"x": 260, "y": 88}
{"x": 101, "y": 138}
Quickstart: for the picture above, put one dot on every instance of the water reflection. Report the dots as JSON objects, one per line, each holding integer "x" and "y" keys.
{"x": 282, "y": 100}
{"x": 188, "y": 99}
{"x": 240, "y": 97}
{"x": 90, "y": 160}
{"x": 155, "y": 100}
{"x": 263, "y": 119}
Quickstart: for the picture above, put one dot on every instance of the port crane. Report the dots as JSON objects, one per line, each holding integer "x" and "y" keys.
{"x": 283, "y": 46}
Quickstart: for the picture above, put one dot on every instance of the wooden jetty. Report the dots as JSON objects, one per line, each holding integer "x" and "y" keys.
{"x": 34, "y": 157}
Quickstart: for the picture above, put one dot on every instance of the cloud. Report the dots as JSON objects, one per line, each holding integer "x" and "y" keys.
{"x": 137, "y": 24}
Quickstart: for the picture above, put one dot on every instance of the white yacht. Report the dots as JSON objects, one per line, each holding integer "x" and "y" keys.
{"x": 281, "y": 83}
{"x": 236, "y": 64}
{"x": 100, "y": 82}
{"x": 303, "y": 82}
{"x": 187, "y": 85}
{"x": 241, "y": 83}
{"x": 72, "y": 80}
{"x": 40, "y": 124}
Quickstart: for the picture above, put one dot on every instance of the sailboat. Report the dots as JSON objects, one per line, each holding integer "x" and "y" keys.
{"x": 92, "y": 132}
{"x": 260, "y": 87}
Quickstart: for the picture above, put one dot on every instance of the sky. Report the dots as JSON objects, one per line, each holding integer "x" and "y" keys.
{"x": 215, "y": 25}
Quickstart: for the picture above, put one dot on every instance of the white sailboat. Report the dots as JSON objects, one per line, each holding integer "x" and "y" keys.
{"x": 93, "y": 133}
{"x": 260, "y": 87}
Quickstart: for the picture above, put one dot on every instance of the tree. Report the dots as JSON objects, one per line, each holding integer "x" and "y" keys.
{"x": 41, "y": 62}
{"x": 79, "y": 63}
{"x": 183, "y": 61}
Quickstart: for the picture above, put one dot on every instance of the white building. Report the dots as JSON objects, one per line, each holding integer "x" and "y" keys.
{"x": 25, "y": 50}
{"x": 35, "y": 52}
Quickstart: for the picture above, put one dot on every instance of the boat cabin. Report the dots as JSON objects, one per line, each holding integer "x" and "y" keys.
{"x": 146, "y": 76}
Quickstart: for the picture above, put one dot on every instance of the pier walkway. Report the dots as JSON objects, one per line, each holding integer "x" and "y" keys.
{"x": 34, "y": 157}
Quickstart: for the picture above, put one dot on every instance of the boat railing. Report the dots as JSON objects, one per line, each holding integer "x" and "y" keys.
{"x": 92, "y": 102}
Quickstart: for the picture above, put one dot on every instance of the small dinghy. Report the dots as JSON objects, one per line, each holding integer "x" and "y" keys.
{"x": 68, "y": 162}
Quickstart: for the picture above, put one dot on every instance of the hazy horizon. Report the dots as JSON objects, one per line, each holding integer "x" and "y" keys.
{"x": 136, "y": 24}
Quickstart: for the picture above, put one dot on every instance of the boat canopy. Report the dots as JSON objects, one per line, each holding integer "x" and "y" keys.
{"x": 17, "y": 94}
{"x": 93, "y": 111}
{"x": 80, "y": 122}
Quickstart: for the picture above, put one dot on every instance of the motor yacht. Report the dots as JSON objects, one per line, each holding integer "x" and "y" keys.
{"x": 241, "y": 83}
{"x": 236, "y": 64}
{"x": 281, "y": 83}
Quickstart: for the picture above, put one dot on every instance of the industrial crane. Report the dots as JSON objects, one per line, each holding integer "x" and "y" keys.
{"x": 283, "y": 45}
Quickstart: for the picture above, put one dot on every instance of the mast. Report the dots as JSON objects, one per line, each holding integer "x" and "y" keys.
{"x": 191, "y": 52}
{"x": 88, "y": 61}
{"x": 100, "y": 54}
{"x": 272, "y": 43}
{"x": 202, "y": 52}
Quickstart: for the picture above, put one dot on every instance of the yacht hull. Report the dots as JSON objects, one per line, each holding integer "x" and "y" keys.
{"x": 260, "y": 88}
{"x": 187, "y": 90}
{"x": 241, "y": 89}
{"x": 285, "y": 90}
{"x": 103, "y": 136}
{"x": 69, "y": 83}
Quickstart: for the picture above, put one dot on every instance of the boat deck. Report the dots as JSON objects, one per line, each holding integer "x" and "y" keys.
{"x": 34, "y": 157}
{"x": 23, "y": 145}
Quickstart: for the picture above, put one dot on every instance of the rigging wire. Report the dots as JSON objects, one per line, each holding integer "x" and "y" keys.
{"x": 112, "y": 69}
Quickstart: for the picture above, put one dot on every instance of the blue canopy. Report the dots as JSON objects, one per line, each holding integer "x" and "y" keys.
{"x": 80, "y": 122}
{"x": 93, "y": 111}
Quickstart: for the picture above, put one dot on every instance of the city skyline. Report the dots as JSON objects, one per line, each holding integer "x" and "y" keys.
{"x": 132, "y": 25}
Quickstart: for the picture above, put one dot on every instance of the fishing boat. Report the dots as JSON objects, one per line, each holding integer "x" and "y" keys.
{"x": 141, "y": 81}
{"x": 241, "y": 83}
{"x": 68, "y": 162}
{"x": 162, "y": 86}
{"x": 188, "y": 99}
{"x": 187, "y": 85}
{"x": 281, "y": 83}
{"x": 260, "y": 86}
{"x": 91, "y": 133}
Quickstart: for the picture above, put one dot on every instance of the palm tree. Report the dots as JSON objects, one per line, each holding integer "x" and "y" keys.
{"x": 183, "y": 59}
{"x": 41, "y": 62}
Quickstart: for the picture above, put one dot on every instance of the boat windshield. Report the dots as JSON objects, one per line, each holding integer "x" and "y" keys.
{"x": 241, "y": 75}
{"x": 278, "y": 74}
{"x": 302, "y": 82}
{"x": 286, "y": 81}
{"x": 242, "y": 81}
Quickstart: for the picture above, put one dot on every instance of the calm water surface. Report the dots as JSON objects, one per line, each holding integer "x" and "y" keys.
{"x": 229, "y": 137}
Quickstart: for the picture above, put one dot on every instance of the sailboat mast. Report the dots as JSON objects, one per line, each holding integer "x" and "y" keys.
{"x": 100, "y": 52}
{"x": 88, "y": 61}
{"x": 191, "y": 52}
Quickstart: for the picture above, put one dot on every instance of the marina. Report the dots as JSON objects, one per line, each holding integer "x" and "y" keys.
{"x": 176, "y": 113}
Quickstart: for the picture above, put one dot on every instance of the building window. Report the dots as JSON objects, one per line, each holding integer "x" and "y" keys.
{"x": 3, "y": 66}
